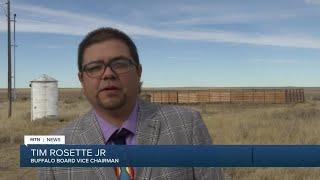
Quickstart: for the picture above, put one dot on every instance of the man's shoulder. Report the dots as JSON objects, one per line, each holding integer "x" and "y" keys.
{"x": 176, "y": 113}
{"x": 168, "y": 108}
{"x": 76, "y": 127}
{"x": 176, "y": 109}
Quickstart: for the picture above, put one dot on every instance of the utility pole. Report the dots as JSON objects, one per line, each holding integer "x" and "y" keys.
{"x": 14, "y": 58}
{"x": 9, "y": 62}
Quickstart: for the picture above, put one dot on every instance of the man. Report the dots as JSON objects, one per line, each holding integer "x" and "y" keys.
{"x": 110, "y": 72}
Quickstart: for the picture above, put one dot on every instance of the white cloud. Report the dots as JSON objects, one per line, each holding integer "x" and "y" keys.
{"x": 64, "y": 22}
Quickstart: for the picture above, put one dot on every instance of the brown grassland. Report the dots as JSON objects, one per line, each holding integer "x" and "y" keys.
{"x": 227, "y": 124}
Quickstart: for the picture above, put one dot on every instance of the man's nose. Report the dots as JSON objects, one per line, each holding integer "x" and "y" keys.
{"x": 109, "y": 74}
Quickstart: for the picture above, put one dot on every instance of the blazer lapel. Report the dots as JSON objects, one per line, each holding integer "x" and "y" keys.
{"x": 92, "y": 134}
{"x": 148, "y": 130}
{"x": 148, "y": 125}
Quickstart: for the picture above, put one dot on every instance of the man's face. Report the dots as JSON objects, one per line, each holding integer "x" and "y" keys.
{"x": 110, "y": 91}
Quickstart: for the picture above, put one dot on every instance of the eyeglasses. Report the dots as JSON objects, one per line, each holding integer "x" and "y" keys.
{"x": 119, "y": 66}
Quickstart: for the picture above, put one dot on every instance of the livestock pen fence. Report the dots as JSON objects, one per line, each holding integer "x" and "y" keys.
{"x": 255, "y": 96}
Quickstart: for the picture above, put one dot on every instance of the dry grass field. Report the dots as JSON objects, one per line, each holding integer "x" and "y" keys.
{"x": 228, "y": 124}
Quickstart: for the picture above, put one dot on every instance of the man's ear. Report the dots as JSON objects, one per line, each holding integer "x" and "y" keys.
{"x": 139, "y": 70}
{"x": 80, "y": 77}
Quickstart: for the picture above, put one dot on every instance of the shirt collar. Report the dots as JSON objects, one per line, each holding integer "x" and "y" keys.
{"x": 108, "y": 129}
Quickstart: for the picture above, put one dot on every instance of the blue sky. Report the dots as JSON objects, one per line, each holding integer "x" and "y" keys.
{"x": 181, "y": 43}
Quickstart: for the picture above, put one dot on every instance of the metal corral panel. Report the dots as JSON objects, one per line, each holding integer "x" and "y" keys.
{"x": 187, "y": 96}
{"x": 236, "y": 96}
{"x": 44, "y": 98}
{"x": 301, "y": 95}
{"x": 183, "y": 96}
{"x": 193, "y": 96}
{"x": 247, "y": 96}
{"x": 203, "y": 96}
{"x": 169, "y": 96}
{"x": 280, "y": 96}
{"x": 294, "y": 95}
{"x": 269, "y": 97}
{"x": 219, "y": 96}
{"x": 215, "y": 96}
{"x": 258, "y": 96}
{"x": 156, "y": 96}
{"x": 172, "y": 96}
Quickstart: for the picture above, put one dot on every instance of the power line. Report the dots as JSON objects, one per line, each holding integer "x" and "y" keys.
{"x": 4, "y": 9}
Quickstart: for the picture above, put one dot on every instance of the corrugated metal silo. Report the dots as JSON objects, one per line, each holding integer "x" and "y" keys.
{"x": 44, "y": 97}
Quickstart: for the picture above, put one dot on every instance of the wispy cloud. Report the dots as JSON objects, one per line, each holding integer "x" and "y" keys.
{"x": 317, "y": 2}
{"x": 173, "y": 57}
{"x": 64, "y": 22}
{"x": 232, "y": 37}
{"x": 231, "y": 18}
{"x": 277, "y": 61}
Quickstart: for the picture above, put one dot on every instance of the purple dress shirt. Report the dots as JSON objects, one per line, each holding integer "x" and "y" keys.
{"x": 130, "y": 124}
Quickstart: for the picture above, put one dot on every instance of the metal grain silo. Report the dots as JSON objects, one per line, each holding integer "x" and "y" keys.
{"x": 44, "y": 97}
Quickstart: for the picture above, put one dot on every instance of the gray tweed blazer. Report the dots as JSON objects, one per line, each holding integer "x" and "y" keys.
{"x": 156, "y": 124}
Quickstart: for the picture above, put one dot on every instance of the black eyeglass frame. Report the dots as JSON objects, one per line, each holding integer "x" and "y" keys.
{"x": 131, "y": 62}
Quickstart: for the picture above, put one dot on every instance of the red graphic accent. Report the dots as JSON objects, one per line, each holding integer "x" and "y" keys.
{"x": 117, "y": 172}
{"x": 129, "y": 170}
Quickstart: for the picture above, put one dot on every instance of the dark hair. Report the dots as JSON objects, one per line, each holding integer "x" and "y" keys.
{"x": 103, "y": 34}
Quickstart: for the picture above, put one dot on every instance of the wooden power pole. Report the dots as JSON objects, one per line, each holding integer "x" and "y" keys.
{"x": 9, "y": 63}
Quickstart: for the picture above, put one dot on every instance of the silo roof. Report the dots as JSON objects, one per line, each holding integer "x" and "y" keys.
{"x": 44, "y": 78}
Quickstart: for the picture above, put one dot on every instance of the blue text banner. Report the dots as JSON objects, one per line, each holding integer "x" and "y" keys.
{"x": 170, "y": 155}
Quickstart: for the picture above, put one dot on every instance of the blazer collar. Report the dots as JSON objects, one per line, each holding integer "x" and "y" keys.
{"x": 91, "y": 134}
{"x": 148, "y": 125}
